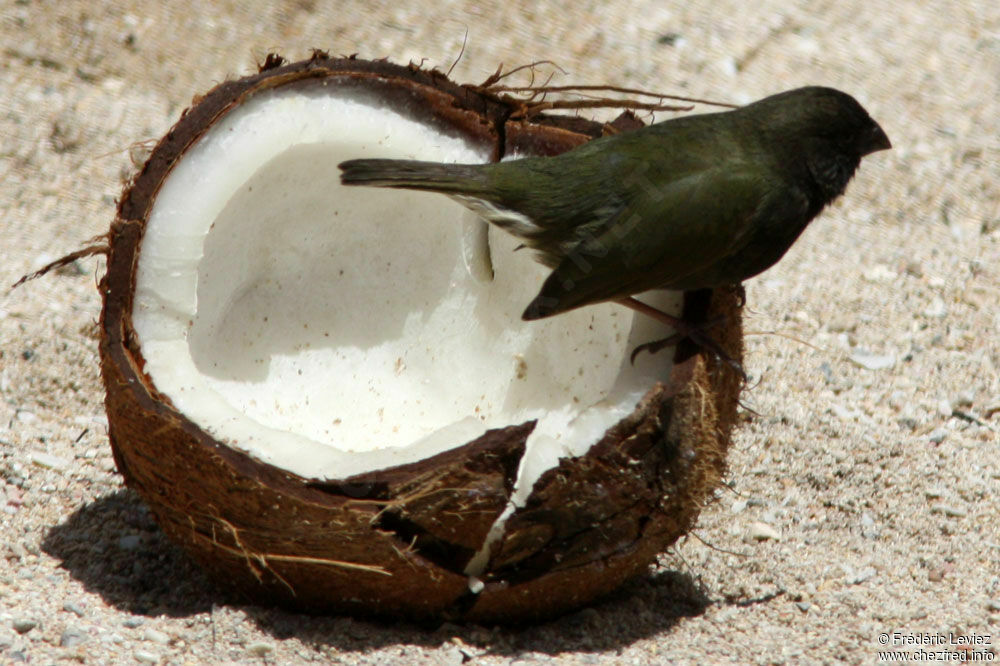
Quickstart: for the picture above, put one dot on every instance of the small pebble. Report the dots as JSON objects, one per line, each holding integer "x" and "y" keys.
{"x": 964, "y": 398}
{"x": 74, "y": 608}
{"x": 937, "y": 575}
{"x": 41, "y": 260}
{"x": 827, "y": 372}
{"x": 870, "y": 360}
{"x": 725, "y": 615}
{"x": 944, "y": 408}
{"x": 950, "y": 511}
{"x": 155, "y": 636}
{"x": 993, "y": 605}
{"x": 880, "y": 273}
{"x": 804, "y": 606}
{"x": 938, "y": 435}
{"x": 133, "y": 622}
{"x": 861, "y": 576}
{"x": 869, "y": 528}
{"x": 450, "y": 656}
{"x": 260, "y": 649}
{"x": 842, "y": 413}
{"x": 49, "y": 461}
{"x": 898, "y": 399}
{"x": 15, "y": 496}
{"x": 71, "y": 637}
{"x": 937, "y": 309}
{"x": 669, "y": 39}
{"x": 758, "y": 531}
{"x": 146, "y": 657}
{"x": 840, "y": 325}
{"x": 23, "y": 625}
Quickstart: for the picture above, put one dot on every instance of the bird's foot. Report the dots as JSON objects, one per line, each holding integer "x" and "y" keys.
{"x": 655, "y": 346}
{"x": 697, "y": 335}
{"x": 694, "y": 332}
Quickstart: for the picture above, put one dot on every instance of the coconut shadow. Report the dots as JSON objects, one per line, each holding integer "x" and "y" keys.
{"x": 115, "y": 549}
{"x": 648, "y": 606}
{"x": 149, "y": 576}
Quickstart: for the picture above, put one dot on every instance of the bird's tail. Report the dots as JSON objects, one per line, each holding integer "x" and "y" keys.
{"x": 414, "y": 175}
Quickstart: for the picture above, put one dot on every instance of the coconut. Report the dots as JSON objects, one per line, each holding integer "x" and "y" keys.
{"x": 326, "y": 395}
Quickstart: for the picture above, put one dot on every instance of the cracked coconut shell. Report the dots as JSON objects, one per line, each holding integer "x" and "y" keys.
{"x": 398, "y": 541}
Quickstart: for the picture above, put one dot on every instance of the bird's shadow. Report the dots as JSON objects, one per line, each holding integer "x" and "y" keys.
{"x": 116, "y": 550}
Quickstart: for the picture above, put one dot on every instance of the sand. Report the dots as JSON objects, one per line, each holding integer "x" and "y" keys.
{"x": 864, "y": 483}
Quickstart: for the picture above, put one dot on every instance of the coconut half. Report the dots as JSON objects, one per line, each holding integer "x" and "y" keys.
{"x": 327, "y": 395}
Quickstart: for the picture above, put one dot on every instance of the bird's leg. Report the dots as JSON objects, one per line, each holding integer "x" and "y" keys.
{"x": 673, "y": 322}
{"x": 695, "y": 332}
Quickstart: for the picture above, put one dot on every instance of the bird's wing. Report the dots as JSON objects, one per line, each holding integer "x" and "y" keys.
{"x": 667, "y": 233}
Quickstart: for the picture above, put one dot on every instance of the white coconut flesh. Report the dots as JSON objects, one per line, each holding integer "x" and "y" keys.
{"x": 331, "y": 330}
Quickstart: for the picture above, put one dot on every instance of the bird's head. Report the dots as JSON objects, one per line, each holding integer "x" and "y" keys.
{"x": 823, "y": 129}
{"x": 825, "y": 115}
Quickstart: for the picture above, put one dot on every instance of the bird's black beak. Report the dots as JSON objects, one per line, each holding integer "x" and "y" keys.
{"x": 876, "y": 140}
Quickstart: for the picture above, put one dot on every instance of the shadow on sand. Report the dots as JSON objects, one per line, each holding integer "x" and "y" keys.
{"x": 117, "y": 551}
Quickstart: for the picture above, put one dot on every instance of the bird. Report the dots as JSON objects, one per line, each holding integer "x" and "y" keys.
{"x": 693, "y": 202}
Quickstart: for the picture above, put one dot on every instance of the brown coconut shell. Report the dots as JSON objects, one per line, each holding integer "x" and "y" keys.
{"x": 395, "y": 542}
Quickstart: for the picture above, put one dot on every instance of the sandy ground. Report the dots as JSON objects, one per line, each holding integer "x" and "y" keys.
{"x": 883, "y": 482}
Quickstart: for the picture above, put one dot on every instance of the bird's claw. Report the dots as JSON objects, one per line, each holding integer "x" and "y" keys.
{"x": 701, "y": 339}
{"x": 735, "y": 365}
{"x": 655, "y": 346}
{"x": 705, "y": 342}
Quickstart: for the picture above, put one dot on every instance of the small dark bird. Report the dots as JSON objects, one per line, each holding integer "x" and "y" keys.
{"x": 694, "y": 202}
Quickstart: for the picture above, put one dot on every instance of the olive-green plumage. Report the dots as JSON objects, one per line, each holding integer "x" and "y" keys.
{"x": 693, "y": 202}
